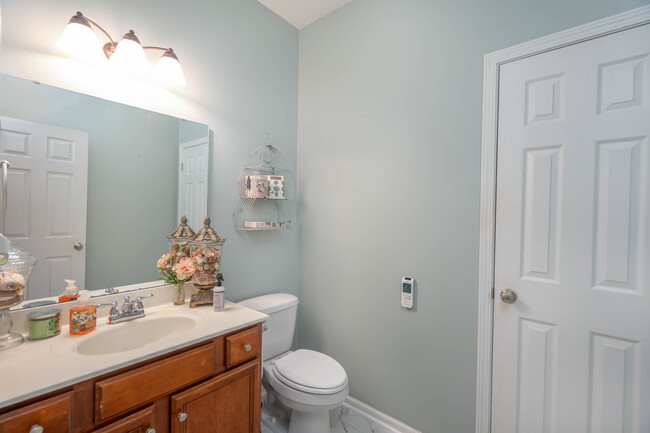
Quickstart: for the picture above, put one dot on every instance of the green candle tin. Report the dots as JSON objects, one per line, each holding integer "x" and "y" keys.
{"x": 44, "y": 323}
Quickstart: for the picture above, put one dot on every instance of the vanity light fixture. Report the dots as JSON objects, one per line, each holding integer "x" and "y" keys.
{"x": 79, "y": 40}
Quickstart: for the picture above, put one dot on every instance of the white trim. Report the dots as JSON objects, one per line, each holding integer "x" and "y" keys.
{"x": 492, "y": 62}
{"x": 377, "y": 418}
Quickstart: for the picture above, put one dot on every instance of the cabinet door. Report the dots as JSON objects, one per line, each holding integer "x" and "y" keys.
{"x": 139, "y": 422}
{"x": 53, "y": 415}
{"x": 229, "y": 403}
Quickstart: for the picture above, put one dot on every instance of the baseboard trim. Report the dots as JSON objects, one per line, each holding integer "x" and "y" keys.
{"x": 379, "y": 418}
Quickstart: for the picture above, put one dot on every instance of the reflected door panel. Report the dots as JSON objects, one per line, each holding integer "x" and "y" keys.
{"x": 193, "y": 183}
{"x": 48, "y": 164}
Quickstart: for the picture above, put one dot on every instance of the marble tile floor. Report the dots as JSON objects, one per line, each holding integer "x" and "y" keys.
{"x": 344, "y": 420}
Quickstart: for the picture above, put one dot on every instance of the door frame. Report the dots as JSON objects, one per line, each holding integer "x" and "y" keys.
{"x": 492, "y": 62}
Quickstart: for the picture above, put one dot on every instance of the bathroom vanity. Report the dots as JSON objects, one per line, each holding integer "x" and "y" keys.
{"x": 203, "y": 378}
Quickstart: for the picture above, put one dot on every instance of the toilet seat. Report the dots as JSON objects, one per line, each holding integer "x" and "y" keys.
{"x": 311, "y": 372}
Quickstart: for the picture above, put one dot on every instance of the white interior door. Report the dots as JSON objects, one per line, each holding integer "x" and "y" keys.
{"x": 570, "y": 355}
{"x": 46, "y": 200}
{"x": 193, "y": 182}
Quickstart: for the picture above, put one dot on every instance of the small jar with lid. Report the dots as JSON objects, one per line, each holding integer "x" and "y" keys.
{"x": 15, "y": 267}
{"x": 44, "y": 323}
{"x": 179, "y": 239}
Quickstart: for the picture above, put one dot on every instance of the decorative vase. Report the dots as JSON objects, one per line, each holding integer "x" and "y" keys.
{"x": 205, "y": 248}
{"x": 179, "y": 294}
{"x": 179, "y": 246}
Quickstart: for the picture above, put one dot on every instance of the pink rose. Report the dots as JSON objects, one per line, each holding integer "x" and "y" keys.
{"x": 184, "y": 269}
{"x": 163, "y": 260}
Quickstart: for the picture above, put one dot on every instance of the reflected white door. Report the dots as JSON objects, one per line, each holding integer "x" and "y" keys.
{"x": 193, "y": 182}
{"x": 46, "y": 200}
{"x": 571, "y": 354}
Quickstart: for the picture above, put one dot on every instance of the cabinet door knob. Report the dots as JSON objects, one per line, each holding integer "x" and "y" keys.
{"x": 247, "y": 347}
{"x": 36, "y": 429}
{"x": 150, "y": 430}
{"x": 182, "y": 416}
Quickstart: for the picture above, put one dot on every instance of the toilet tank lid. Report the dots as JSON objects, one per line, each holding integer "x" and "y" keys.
{"x": 272, "y": 303}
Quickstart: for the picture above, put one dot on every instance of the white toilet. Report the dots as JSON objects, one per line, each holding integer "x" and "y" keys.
{"x": 306, "y": 382}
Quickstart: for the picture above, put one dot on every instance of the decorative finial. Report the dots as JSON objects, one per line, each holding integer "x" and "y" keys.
{"x": 183, "y": 231}
{"x": 206, "y": 221}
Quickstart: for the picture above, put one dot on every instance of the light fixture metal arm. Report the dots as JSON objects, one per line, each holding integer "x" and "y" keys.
{"x": 168, "y": 52}
{"x": 156, "y": 48}
{"x": 98, "y": 26}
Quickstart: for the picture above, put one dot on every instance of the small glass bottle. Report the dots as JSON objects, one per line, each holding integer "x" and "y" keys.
{"x": 219, "y": 294}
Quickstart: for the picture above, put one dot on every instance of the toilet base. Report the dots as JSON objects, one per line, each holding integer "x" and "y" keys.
{"x": 273, "y": 423}
{"x": 312, "y": 422}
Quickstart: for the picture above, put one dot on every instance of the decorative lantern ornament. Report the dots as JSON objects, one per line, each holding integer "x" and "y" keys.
{"x": 179, "y": 242}
{"x": 205, "y": 248}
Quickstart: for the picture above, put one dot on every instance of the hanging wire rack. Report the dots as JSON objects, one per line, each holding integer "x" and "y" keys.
{"x": 264, "y": 213}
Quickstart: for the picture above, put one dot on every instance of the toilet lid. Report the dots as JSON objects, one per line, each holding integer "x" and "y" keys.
{"x": 310, "y": 371}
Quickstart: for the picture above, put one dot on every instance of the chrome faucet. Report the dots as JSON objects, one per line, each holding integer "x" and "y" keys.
{"x": 131, "y": 309}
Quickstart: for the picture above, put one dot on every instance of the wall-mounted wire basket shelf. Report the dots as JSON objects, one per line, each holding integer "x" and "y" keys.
{"x": 266, "y": 190}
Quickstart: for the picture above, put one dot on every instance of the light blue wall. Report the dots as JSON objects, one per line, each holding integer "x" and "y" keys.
{"x": 188, "y": 131}
{"x": 388, "y": 155}
{"x": 132, "y": 176}
{"x": 241, "y": 64}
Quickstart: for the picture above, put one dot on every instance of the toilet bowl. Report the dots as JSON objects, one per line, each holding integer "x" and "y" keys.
{"x": 305, "y": 382}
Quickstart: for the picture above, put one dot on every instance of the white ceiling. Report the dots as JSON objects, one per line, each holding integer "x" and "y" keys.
{"x": 300, "y": 13}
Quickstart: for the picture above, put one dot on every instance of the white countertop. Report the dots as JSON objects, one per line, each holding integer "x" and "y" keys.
{"x": 38, "y": 367}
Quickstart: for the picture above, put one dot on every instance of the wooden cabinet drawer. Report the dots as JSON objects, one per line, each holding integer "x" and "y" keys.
{"x": 139, "y": 386}
{"x": 53, "y": 414}
{"x": 242, "y": 346}
{"x": 139, "y": 422}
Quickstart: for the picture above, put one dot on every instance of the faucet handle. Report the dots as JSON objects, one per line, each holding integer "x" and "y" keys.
{"x": 114, "y": 311}
{"x": 127, "y": 307}
{"x": 139, "y": 299}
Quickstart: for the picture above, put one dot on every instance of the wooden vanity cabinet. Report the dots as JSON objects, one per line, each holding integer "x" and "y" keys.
{"x": 228, "y": 403}
{"x": 215, "y": 384}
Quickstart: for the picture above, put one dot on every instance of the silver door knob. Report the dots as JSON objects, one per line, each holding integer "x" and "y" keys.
{"x": 182, "y": 416}
{"x": 508, "y": 296}
{"x": 247, "y": 347}
{"x": 78, "y": 246}
{"x": 36, "y": 429}
{"x": 150, "y": 430}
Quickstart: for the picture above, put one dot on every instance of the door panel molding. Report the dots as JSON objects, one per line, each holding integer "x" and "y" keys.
{"x": 492, "y": 62}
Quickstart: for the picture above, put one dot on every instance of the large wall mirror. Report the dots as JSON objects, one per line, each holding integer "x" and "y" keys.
{"x": 94, "y": 186}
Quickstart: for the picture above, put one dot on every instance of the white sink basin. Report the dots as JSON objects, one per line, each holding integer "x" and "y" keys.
{"x": 134, "y": 334}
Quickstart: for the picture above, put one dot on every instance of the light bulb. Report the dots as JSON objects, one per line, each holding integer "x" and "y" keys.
{"x": 79, "y": 40}
{"x": 129, "y": 55}
{"x": 168, "y": 70}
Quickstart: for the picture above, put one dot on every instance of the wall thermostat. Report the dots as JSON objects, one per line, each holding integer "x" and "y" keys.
{"x": 407, "y": 292}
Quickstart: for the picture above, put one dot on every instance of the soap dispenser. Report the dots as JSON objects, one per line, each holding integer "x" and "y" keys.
{"x": 70, "y": 293}
{"x": 82, "y": 316}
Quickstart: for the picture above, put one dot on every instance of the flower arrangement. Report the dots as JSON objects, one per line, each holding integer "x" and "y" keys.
{"x": 176, "y": 273}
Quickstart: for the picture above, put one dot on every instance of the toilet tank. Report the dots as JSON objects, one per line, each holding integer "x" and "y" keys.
{"x": 279, "y": 327}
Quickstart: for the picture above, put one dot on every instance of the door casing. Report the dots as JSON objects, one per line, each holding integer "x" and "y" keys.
{"x": 492, "y": 62}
